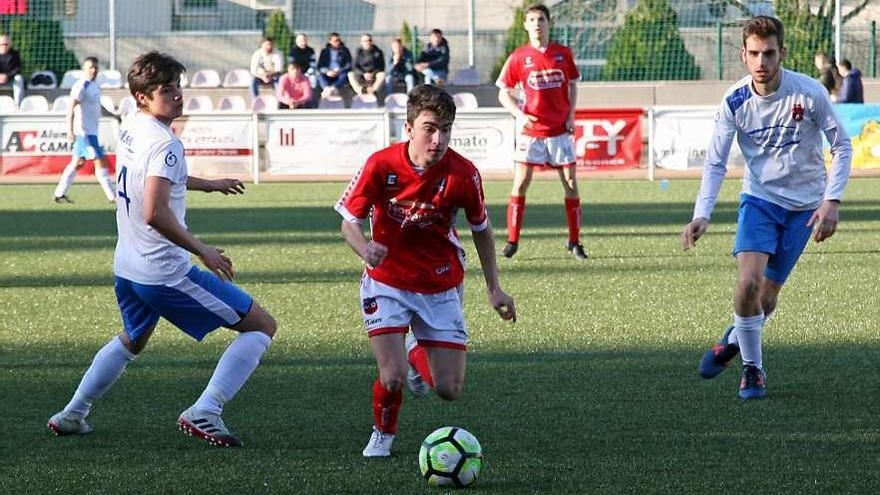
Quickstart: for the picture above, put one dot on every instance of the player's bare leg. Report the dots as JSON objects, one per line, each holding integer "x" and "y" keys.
{"x": 447, "y": 368}
{"x": 568, "y": 177}
{"x": 516, "y": 207}
{"x": 390, "y": 352}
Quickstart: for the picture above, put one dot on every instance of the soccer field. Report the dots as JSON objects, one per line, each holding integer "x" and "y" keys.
{"x": 593, "y": 390}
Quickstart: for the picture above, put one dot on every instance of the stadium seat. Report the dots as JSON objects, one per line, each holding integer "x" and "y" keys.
{"x": 200, "y": 103}
{"x": 184, "y": 80}
{"x": 364, "y": 102}
{"x": 237, "y": 78}
{"x": 109, "y": 78}
{"x": 396, "y": 102}
{"x": 61, "y": 104}
{"x": 466, "y": 76}
{"x": 331, "y": 102}
{"x": 34, "y": 104}
{"x": 7, "y": 104}
{"x": 465, "y": 101}
{"x": 232, "y": 103}
{"x": 43, "y": 79}
{"x": 264, "y": 103}
{"x": 127, "y": 106}
{"x": 205, "y": 78}
{"x": 70, "y": 77}
{"x": 107, "y": 103}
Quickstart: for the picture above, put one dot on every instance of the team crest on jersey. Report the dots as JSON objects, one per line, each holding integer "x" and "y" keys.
{"x": 528, "y": 62}
{"x": 559, "y": 58}
{"x": 797, "y": 112}
{"x": 170, "y": 159}
{"x": 370, "y": 305}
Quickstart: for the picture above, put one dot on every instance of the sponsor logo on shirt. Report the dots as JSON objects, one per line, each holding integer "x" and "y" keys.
{"x": 372, "y": 321}
{"x": 440, "y": 270}
{"x": 412, "y": 213}
{"x": 370, "y": 305}
{"x": 170, "y": 159}
{"x": 546, "y": 79}
{"x": 391, "y": 179}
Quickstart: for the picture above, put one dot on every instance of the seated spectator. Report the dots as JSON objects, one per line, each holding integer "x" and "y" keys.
{"x": 294, "y": 89}
{"x": 305, "y": 57}
{"x": 367, "y": 74}
{"x": 266, "y": 65}
{"x": 333, "y": 66}
{"x": 828, "y": 75}
{"x": 10, "y": 69}
{"x": 851, "y": 90}
{"x": 400, "y": 67}
{"x": 434, "y": 60}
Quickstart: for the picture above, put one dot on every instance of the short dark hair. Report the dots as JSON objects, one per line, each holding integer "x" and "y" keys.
{"x": 437, "y": 32}
{"x": 539, "y": 7}
{"x": 846, "y": 63}
{"x": 269, "y": 39}
{"x": 294, "y": 64}
{"x": 151, "y": 70}
{"x": 93, "y": 60}
{"x": 764, "y": 26}
{"x": 334, "y": 34}
{"x": 431, "y": 98}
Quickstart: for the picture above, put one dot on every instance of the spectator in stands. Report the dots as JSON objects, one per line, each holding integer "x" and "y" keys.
{"x": 851, "y": 90}
{"x": 434, "y": 60}
{"x": 333, "y": 66}
{"x": 400, "y": 67}
{"x": 294, "y": 89}
{"x": 10, "y": 68}
{"x": 828, "y": 75}
{"x": 367, "y": 74}
{"x": 266, "y": 66}
{"x": 305, "y": 57}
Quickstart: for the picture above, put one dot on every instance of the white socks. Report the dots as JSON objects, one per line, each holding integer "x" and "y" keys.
{"x": 106, "y": 368}
{"x": 234, "y": 368}
{"x": 732, "y": 337}
{"x": 748, "y": 331}
{"x": 104, "y": 179}
{"x": 66, "y": 179}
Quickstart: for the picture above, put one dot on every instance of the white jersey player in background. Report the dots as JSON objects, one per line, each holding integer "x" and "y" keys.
{"x": 83, "y": 117}
{"x": 778, "y": 118}
{"x": 154, "y": 274}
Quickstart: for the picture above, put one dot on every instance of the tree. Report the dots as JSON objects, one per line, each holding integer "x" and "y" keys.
{"x": 40, "y": 43}
{"x": 648, "y": 47}
{"x": 516, "y": 37}
{"x": 406, "y": 35}
{"x": 278, "y": 30}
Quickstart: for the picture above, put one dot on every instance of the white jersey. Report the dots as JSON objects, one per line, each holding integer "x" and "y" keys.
{"x": 780, "y": 136}
{"x": 148, "y": 148}
{"x": 88, "y": 112}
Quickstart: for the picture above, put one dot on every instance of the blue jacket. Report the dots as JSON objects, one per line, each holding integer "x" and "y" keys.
{"x": 851, "y": 90}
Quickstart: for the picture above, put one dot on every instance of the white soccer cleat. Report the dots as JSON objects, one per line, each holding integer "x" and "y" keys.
{"x": 208, "y": 426}
{"x": 67, "y": 423}
{"x": 379, "y": 444}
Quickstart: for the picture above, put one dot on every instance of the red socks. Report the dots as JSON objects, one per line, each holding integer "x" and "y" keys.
{"x": 573, "y": 214}
{"x": 516, "y": 208}
{"x": 386, "y": 406}
{"x": 418, "y": 358}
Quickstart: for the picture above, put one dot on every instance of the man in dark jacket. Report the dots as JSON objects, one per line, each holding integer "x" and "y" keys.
{"x": 434, "y": 60}
{"x": 10, "y": 68}
{"x": 368, "y": 69}
{"x": 400, "y": 67}
{"x": 304, "y": 56}
{"x": 333, "y": 66}
{"x": 851, "y": 90}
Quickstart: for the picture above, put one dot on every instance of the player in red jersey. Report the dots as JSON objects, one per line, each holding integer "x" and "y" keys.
{"x": 415, "y": 264}
{"x": 547, "y": 76}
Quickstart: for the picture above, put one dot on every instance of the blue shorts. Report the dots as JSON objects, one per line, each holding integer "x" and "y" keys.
{"x": 197, "y": 304}
{"x": 769, "y": 228}
{"x": 87, "y": 147}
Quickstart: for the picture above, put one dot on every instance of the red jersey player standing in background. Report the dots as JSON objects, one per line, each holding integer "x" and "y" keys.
{"x": 548, "y": 78}
{"x": 415, "y": 262}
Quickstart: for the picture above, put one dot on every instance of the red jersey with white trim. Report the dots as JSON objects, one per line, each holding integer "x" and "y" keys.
{"x": 413, "y": 215}
{"x": 544, "y": 77}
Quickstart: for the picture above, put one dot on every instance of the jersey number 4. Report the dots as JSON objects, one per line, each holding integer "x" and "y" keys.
{"x": 122, "y": 187}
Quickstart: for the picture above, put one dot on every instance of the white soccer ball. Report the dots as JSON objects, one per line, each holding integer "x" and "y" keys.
{"x": 450, "y": 456}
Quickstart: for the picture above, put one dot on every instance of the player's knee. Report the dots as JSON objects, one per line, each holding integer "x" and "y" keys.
{"x": 80, "y": 163}
{"x": 449, "y": 390}
{"x": 749, "y": 288}
{"x": 392, "y": 382}
{"x": 269, "y": 326}
{"x": 135, "y": 347}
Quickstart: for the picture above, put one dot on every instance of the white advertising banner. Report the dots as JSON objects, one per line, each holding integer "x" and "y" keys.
{"x": 217, "y": 143}
{"x": 38, "y": 144}
{"x": 322, "y": 142}
{"x": 681, "y": 137}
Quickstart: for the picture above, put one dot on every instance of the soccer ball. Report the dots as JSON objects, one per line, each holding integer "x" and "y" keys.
{"x": 450, "y": 456}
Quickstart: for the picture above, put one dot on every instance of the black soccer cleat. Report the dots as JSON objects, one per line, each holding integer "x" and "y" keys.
{"x": 576, "y": 250}
{"x": 510, "y": 249}
{"x": 61, "y": 199}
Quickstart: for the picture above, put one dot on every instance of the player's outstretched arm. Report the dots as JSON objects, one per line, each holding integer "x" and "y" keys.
{"x": 158, "y": 214}
{"x": 503, "y": 304}
{"x": 693, "y": 231}
{"x": 370, "y": 251}
{"x": 824, "y": 220}
{"x": 225, "y": 186}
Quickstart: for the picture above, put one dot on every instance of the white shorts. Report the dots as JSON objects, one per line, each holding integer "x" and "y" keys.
{"x": 435, "y": 319}
{"x": 556, "y": 151}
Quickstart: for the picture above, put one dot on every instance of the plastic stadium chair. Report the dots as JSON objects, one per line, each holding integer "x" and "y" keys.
{"x": 465, "y": 101}
{"x": 34, "y": 104}
{"x": 70, "y": 77}
{"x": 264, "y": 104}
{"x": 109, "y": 78}
{"x": 331, "y": 103}
{"x": 200, "y": 103}
{"x": 364, "y": 102}
{"x": 7, "y": 104}
{"x": 466, "y": 76}
{"x": 127, "y": 106}
{"x": 205, "y": 78}
{"x": 396, "y": 102}
{"x": 232, "y": 103}
{"x": 237, "y": 78}
{"x": 61, "y": 104}
{"x": 184, "y": 80}
{"x": 43, "y": 79}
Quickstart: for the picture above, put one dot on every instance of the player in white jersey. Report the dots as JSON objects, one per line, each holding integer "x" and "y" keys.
{"x": 778, "y": 118}
{"x": 154, "y": 274}
{"x": 83, "y": 118}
